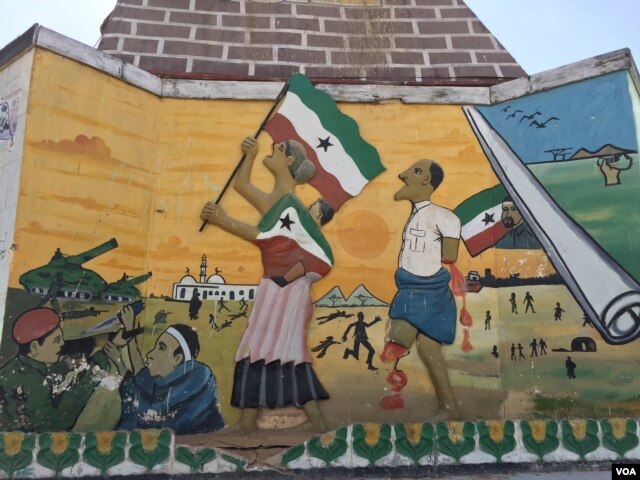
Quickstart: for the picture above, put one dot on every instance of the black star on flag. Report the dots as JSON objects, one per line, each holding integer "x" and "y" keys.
{"x": 488, "y": 218}
{"x": 324, "y": 143}
{"x": 286, "y": 222}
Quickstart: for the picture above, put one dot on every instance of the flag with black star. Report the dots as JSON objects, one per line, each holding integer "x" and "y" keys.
{"x": 288, "y": 235}
{"x": 345, "y": 162}
{"x": 481, "y": 219}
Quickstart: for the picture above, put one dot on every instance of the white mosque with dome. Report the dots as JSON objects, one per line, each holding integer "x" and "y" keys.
{"x": 213, "y": 287}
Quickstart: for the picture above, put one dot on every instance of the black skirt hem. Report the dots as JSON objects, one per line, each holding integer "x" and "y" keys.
{"x": 275, "y": 385}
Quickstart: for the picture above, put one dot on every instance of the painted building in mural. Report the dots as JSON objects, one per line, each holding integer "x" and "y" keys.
{"x": 427, "y": 236}
{"x": 212, "y": 287}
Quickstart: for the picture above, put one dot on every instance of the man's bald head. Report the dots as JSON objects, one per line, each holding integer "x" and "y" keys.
{"x": 421, "y": 179}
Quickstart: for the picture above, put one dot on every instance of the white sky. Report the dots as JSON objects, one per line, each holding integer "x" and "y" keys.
{"x": 540, "y": 34}
{"x": 544, "y": 34}
{"x": 78, "y": 19}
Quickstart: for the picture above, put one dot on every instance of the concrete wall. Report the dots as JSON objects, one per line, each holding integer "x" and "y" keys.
{"x": 103, "y": 159}
{"x": 15, "y": 78}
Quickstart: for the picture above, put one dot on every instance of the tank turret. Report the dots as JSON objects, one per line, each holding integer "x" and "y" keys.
{"x": 64, "y": 277}
{"x": 123, "y": 290}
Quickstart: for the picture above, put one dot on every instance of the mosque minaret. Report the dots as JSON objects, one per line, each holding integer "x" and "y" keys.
{"x": 212, "y": 288}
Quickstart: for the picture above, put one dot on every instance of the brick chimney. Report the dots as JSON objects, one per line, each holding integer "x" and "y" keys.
{"x": 434, "y": 42}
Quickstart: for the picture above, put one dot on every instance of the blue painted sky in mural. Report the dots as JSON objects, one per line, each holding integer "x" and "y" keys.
{"x": 588, "y": 114}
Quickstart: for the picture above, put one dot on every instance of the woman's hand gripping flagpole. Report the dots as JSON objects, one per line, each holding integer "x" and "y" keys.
{"x": 235, "y": 170}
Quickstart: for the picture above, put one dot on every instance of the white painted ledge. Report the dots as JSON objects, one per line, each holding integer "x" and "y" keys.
{"x": 574, "y": 72}
{"x": 209, "y": 89}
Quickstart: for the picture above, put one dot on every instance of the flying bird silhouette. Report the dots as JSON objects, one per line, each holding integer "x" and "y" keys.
{"x": 543, "y": 124}
{"x": 506, "y": 108}
{"x": 513, "y": 114}
{"x": 529, "y": 117}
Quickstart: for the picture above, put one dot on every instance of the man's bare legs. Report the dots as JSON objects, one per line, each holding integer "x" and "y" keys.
{"x": 431, "y": 354}
{"x": 400, "y": 337}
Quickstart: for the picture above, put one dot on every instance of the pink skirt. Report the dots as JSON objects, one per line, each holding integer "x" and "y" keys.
{"x": 277, "y": 329}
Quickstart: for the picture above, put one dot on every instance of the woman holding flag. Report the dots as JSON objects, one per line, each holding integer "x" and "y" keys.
{"x": 314, "y": 142}
{"x": 273, "y": 363}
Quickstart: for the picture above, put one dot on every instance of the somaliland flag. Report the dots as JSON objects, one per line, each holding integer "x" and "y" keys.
{"x": 287, "y": 235}
{"x": 344, "y": 161}
{"x": 480, "y": 216}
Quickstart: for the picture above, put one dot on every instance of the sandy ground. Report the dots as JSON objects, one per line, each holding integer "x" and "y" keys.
{"x": 606, "y": 385}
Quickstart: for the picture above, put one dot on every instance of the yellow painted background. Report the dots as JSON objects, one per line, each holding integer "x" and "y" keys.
{"x": 149, "y": 164}
{"x": 78, "y": 194}
{"x": 104, "y": 159}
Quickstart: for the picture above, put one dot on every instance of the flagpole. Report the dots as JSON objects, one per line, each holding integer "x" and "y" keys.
{"x": 264, "y": 122}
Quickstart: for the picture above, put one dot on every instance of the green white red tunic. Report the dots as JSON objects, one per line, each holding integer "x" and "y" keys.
{"x": 278, "y": 322}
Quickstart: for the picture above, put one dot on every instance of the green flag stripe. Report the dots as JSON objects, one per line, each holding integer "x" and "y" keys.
{"x": 345, "y": 128}
{"x": 271, "y": 218}
{"x": 475, "y": 205}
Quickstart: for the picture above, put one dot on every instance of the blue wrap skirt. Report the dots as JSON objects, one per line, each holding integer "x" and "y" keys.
{"x": 426, "y": 303}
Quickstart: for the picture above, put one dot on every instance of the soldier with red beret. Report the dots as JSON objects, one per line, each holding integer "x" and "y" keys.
{"x": 38, "y": 392}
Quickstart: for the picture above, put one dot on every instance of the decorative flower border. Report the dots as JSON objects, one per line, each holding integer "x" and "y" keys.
{"x": 482, "y": 442}
{"x": 100, "y": 454}
{"x": 28, "y": 455}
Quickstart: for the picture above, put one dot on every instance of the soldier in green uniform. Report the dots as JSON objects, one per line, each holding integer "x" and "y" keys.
{"x": 38, "y": 392}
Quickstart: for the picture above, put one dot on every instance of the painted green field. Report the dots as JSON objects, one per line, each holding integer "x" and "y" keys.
{"x": 609, "y": 214}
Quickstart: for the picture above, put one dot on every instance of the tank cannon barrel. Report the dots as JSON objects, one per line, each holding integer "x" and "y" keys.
{"x": 92, "y": 253}
{"x": 123, "y": 290}
{"x": 135, "y": 280}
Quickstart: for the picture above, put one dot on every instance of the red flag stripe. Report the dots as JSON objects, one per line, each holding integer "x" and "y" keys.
{"x": 284, "y": 252}
{"x": 486, "y": 239}
{"x": 281, "y": 129}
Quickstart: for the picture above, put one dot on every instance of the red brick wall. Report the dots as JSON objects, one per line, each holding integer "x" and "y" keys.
{"x": 393, "y": 41}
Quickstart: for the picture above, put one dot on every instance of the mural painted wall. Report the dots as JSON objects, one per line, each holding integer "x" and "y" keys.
{"x": 14, "y": 79}
{"x": 485, "y": 267}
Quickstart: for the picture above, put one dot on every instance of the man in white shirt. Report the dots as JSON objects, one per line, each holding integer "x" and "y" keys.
{"x": 423, "y": 310}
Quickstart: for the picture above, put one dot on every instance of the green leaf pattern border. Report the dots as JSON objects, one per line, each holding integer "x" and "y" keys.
{"x": 421, "y": 451}
{"x": 512, "y": 448}
{"x": 600, "y": 444}
{"x": 624, "y": 443}
{"x": 33, "y": 456}
{"x": 21, "y": 456}
{"x": 581, "y": 446}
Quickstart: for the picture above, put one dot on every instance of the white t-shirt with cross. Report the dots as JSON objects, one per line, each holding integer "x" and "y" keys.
{"x": 428, "y": 225}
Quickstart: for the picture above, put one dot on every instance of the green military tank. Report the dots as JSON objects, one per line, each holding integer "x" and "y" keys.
{"x": 65, "y": 278}
{"x": 123, "y": 290}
